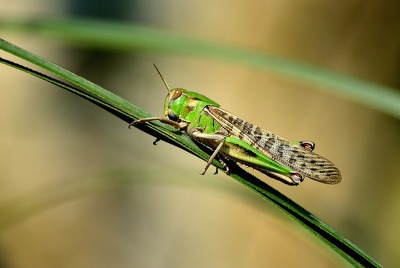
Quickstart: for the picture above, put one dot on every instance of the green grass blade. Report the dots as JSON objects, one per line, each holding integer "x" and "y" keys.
{"x": 127, "y": 111}
{"x": 124, "y": 37}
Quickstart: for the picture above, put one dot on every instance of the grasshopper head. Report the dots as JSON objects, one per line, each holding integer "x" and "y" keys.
{"x": 175, "y": 102}
{"x": 183, "y": 105}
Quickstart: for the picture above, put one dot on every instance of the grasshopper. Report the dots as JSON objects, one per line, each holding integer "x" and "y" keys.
{"x": 232, "y": 138}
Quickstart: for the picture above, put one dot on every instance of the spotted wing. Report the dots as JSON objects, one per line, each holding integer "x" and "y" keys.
{"x": 282, "y": 151}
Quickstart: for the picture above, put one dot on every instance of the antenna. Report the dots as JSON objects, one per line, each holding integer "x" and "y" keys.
{"x": 162, "y": 78}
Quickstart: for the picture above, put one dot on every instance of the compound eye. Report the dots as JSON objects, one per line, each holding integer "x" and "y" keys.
{"x": 177, "y": 94}
{"x": 172, "y": 116}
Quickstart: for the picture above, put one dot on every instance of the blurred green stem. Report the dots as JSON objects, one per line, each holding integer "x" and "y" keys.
{"x": 113, "y": 36}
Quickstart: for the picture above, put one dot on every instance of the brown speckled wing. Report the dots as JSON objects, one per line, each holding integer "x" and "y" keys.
{"x": 286, "y": 153}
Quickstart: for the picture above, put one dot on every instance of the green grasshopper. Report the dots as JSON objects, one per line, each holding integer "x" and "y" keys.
{"x": 232, "y": 138}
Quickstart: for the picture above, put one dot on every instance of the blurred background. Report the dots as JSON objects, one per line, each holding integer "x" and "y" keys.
{"x": 79, "y": 189}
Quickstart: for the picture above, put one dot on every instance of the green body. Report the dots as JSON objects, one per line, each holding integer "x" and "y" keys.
{"x": 231, "y": 137}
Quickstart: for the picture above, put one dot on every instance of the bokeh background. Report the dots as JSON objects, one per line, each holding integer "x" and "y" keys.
{"x": 78, "y": 189}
